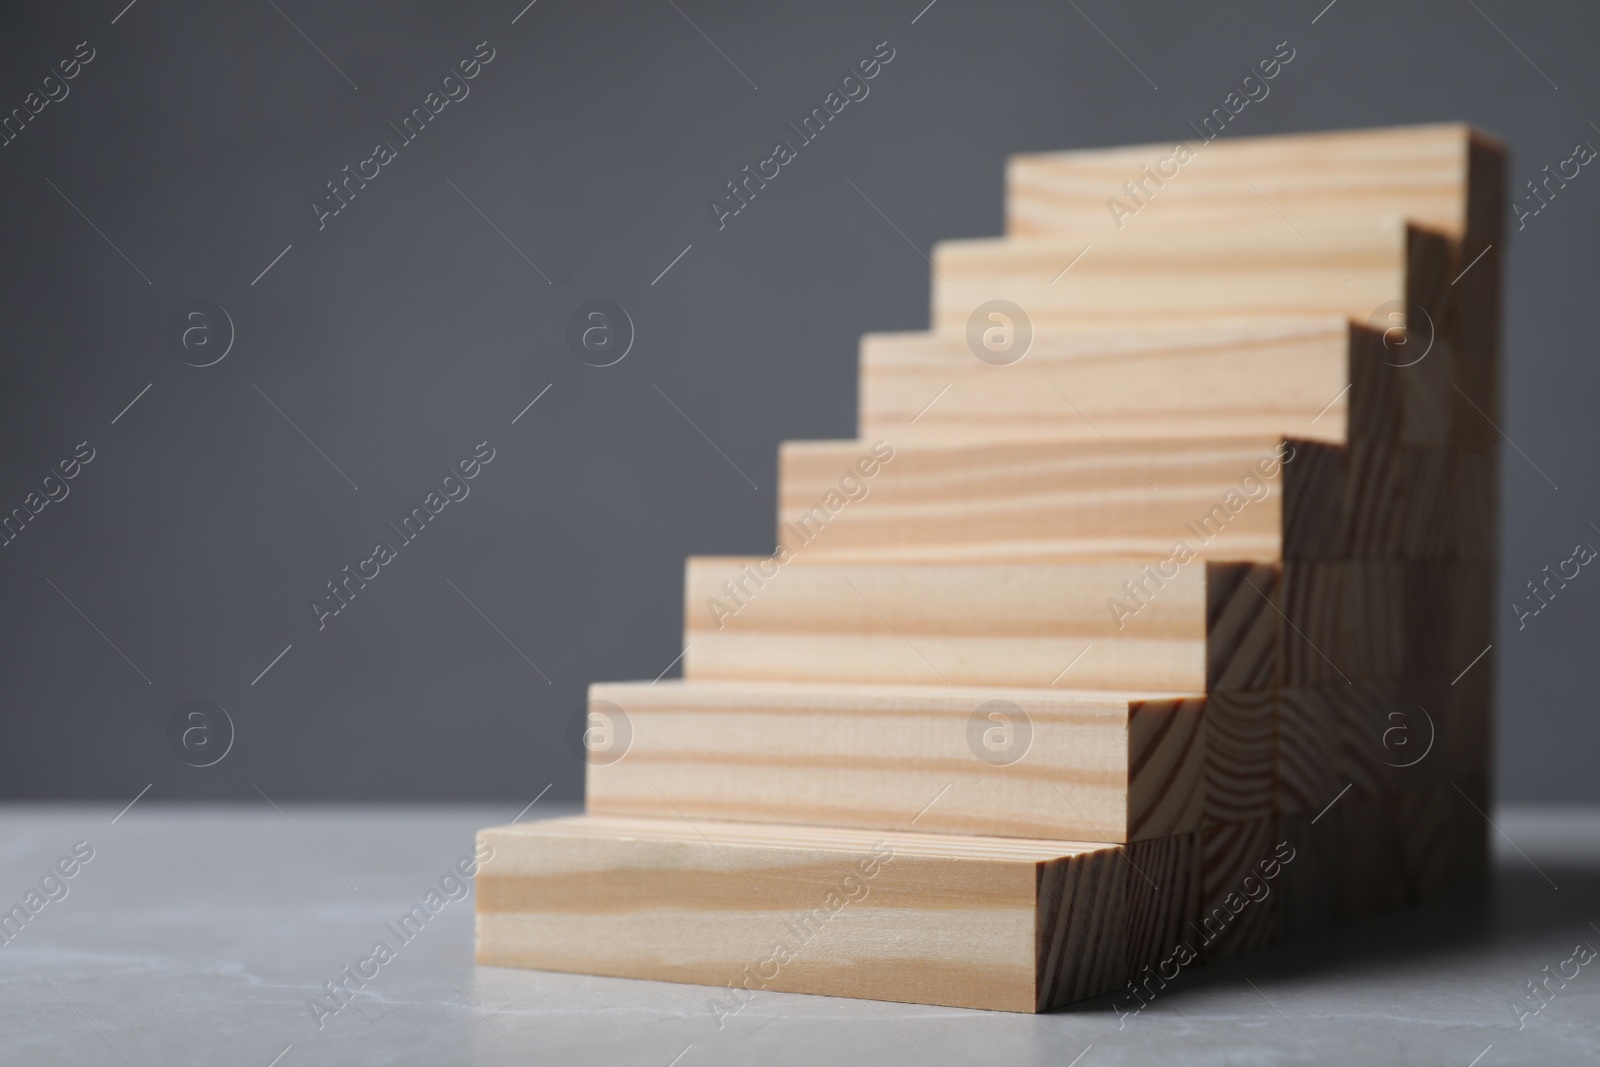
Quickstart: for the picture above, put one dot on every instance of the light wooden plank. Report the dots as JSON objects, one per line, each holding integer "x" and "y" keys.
{"x": 1005, "y": 924}
{"x": 1069, "y": 765}
{"x": 1263, "y": 272}
{"x": 1424, "y": 173}
{"x": 1144, "y": 624}
{"x": 1236, "y": 498}
{"x": 1296, "y": 379}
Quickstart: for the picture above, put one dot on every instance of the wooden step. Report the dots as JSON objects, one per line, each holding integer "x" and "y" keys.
{"x": 1306, "y": 379}
{"x": 1015, "y": 523}
{"x": 1437, "y": 175}
{"x": 1145, "y": 623}
{"x": 1062, "y": 765}
{"x": 1261, "y": 498}
{"x": 1261, "y": 273}
{"x": 1153, "y": 623}
{"x": 1005, "y": 924}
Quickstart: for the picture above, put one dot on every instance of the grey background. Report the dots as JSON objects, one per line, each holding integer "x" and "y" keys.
{"x": 409, "y": 329}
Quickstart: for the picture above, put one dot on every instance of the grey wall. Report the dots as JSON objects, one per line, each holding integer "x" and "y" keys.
{"x": 412, "y": 327}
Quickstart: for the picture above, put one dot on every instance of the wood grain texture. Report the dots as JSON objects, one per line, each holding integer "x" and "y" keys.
{"x": 1243, "y": 626}
{"x": 1255, "y": 379}
{"x": 1261, "y": 272}
{"x": 1426, "y": 173}
{"x": 1241, "y": 755}
{"x": 1370, "y": 641}
{"x": 1005, "y": 924}
{"x": 1432, "y": 501}
{"x": 1238, "y": 903}
{"x": 1143, "y": 624}
{"x": 1262, "y": 498}
{"x": 1088, "y": 765}
{"x": 1164, "y": 898}
{"x": 1308, "y": 748}
{"x": 1378, "y": 510}
{"x": 1449, "y": 178}
{"x": 1367, "y": 750}
{"x": 1315, "y": 613}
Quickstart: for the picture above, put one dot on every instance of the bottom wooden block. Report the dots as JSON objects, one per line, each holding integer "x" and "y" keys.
{"x": 1239, "y": 902}
{"x": 1371, "y": 866}
{"x": 1009, "y": 924}
{"x": 1309, "y": 890}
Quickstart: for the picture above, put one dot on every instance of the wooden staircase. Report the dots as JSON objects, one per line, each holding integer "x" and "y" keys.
{"x": 1144, "y": 624}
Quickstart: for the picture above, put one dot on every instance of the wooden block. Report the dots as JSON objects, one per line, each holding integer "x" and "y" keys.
{"x": 1238, "y": 905}
{"x": 1163, "y": 898}
{"x": 1308, "y": 897}
{"x": 1476, "y": 519}
{"x": 1477, "y": 305}
{"x": 1316, "y": 497}
{"x": 1309, "y": 747}
{"x": 1061, "y": 765}
{"x": 1467, "y": 726}
{"x": 1473, "y": 611}
{"x": 1343, "y": 620}
{"x": 1377, "y": 510}
{"x": 1428, "y": 823}
{"x": 1429, "y": 600}
{"x": 1319, "y": 377}
{"x": 1264, "y": 272}
{"x": 1367, "y": 750}
{"x": 1258, "y": 498}
{"x": 1392, "y": 736}
{"x": 1241, "y": 756}
{"x": 1369, "y": 867}
{"x": 1314, "y": 606}
{"x": 1433, "y": 174}
{"x": 1004, "y": 924}
{"x": 1243, "y": 614}
{"x": 1112, "y": 624}
{"x": 1471, "y": 829}
{"x": 1432, "y": 499}
{"x": 1372, "y": 628}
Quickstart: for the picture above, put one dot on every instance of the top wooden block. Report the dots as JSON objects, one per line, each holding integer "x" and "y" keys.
{"x": 1438, "y": 176}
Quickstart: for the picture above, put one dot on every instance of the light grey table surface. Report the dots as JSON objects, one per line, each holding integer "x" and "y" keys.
{"x": 197, "y": 935}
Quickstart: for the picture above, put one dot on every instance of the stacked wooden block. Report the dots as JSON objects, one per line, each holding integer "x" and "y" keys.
{"x": 1145, "y": 623}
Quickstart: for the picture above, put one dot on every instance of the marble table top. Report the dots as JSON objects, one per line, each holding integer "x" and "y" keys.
{"x": 199, "y": 935}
